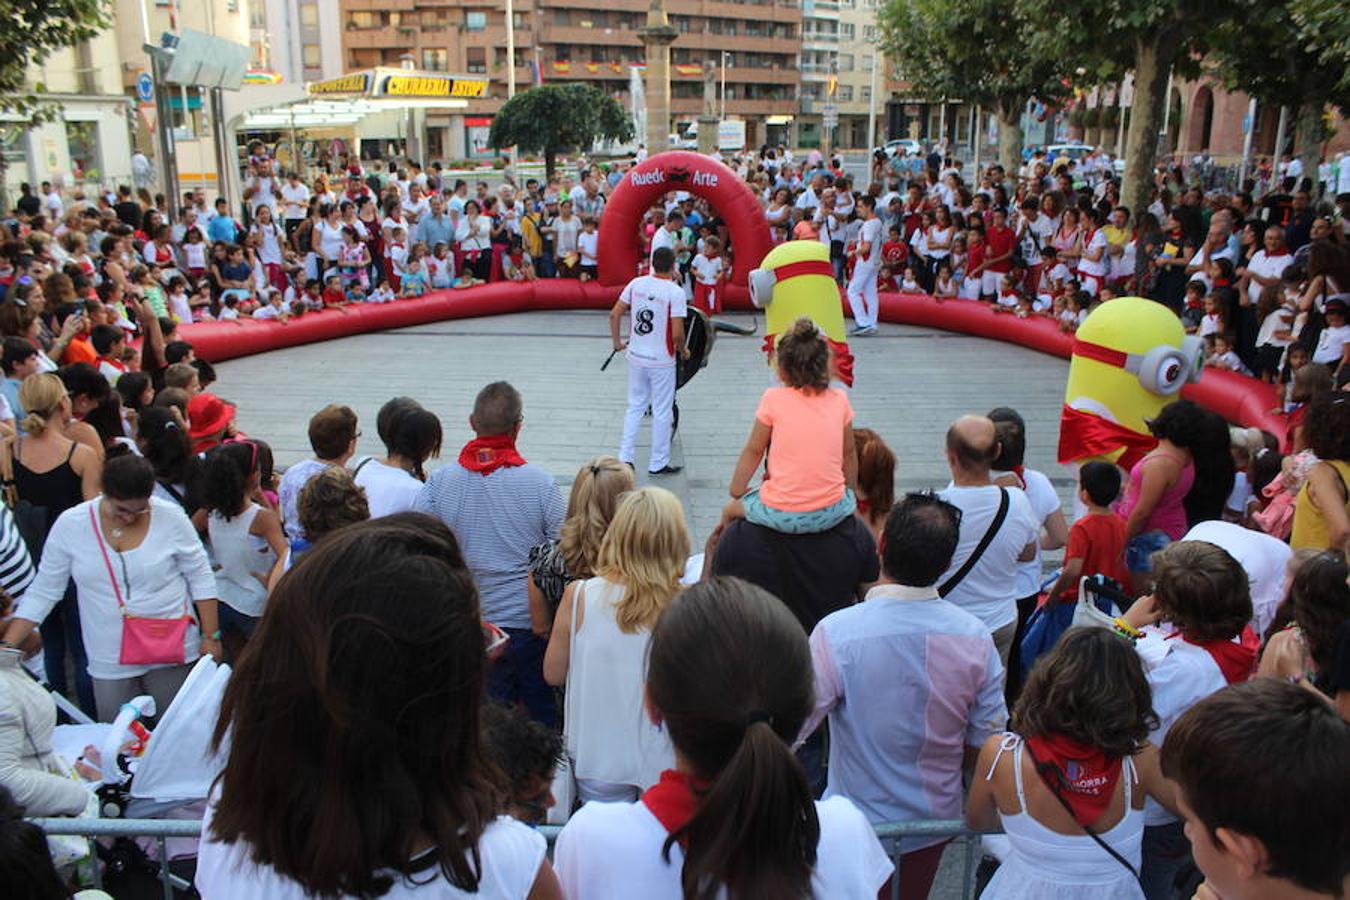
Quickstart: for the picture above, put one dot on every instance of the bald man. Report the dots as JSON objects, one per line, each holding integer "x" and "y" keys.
{"x": 983, "y": 582}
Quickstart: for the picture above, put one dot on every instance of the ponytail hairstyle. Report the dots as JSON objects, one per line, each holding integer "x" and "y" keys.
{"x": 876, "y": 473}
{"x": 165, "y": 444}
{"x": 590, "y": 508}
{"x": 645, "y": 547}
{"x": 733, "y": 718}
{"x": 804, "y": 357}
{"x": 415, "y": 434}
{"x": 225, "y": 482}
{"x": 42, "y": 395}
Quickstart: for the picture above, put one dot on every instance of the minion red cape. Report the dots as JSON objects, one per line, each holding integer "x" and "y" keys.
{"x": 1131, "y": 357}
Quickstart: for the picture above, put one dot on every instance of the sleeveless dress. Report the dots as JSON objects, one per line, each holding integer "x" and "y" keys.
{"x": 1041, "y": 863}
{"x": 608, "y": 732}
{"x": 1310, "y": 523}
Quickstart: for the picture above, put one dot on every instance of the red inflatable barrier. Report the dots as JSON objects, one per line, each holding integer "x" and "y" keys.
{"x": 702, "y": 176}
{"x": 1237, "y": 398}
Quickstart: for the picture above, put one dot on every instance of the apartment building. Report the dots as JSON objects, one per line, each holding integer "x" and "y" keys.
{"x": 755, "y": 44}
{"x": 839, "y": 39}
{"x": 300, "y": 40}
{"x": 87, "y": 146}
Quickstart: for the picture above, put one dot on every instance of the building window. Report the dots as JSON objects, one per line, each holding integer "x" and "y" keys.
{"x": 475, "y": 59}
{"x": 436, "y": 60}
{"x": 844, "y": 94}
{"x": 362, "y": 19}
{"x": 311, "y": 55}
{"x": 845, "y": 62}
{"x": 846, "y": 30}
{"x": 475, "y": 20}
{"x": 309, "y": 15}
{"x": 870, "y": 34}
{"x": 866, "y": 94}
{"x": 257, "y": 16}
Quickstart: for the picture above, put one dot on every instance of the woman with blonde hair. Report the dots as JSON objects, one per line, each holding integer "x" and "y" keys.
{"x": 599, "y": 648}
{"x": 590, "y": 508}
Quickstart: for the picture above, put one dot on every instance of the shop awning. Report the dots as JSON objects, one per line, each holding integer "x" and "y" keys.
{"x": 349, "y": 98}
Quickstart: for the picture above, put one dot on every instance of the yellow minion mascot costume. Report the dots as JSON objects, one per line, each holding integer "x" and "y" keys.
{"x": 795, "y": 280}
{"x": 1130, "y": 359}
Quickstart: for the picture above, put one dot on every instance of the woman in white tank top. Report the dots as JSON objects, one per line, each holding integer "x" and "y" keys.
{"x": 246, "y": 539}
{"x": 598, "y": 648}
{"x": 1065, "y": 785}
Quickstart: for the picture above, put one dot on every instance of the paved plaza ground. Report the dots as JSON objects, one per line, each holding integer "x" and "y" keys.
{"x": 911, "y": 383}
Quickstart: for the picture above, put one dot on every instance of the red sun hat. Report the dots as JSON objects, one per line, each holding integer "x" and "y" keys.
{"x": 207, "y": 415}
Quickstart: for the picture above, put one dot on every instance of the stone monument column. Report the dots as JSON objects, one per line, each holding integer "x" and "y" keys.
{"x": 656, "y": 40}
{"x": 707, "y": 120}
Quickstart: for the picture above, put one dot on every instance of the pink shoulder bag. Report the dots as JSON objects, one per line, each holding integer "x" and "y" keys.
{"x": 145, "y": 641}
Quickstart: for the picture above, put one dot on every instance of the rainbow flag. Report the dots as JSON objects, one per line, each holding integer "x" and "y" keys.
{"x": 262, "y": 76}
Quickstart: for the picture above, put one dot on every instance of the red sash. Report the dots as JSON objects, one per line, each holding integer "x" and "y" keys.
{"x": 1237, "y": 661}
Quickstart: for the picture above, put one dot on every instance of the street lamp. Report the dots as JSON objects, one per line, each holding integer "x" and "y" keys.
{"x": 725, "y": 54}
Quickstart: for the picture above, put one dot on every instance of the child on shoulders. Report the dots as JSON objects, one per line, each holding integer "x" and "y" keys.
{"x": 810, "y": 480}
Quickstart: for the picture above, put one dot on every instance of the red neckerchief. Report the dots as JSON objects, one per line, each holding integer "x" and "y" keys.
{"x": 1020, "y": 472}
{"x": 1081, "y": 435}
{"x": 672, "y": 800}
{"x": 115, "y": 363}
{"x": 486, "y": 455}
{"x": 1087, "y": 776}
{"x": 1236, "y": 661}
{"x": 841, "y": 358}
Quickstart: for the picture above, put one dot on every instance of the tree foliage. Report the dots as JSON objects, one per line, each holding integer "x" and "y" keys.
{"x": 551, "y": 118}
{"x": 30, "y": 31}
{"x": 1324, "y": 26}
{"x": 980, "y": 51}
{"x": 1274, "y": 59}
{"x": 1149, "y": 37}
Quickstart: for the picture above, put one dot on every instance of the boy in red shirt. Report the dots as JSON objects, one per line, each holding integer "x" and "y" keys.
{"x": 1097, "y": 540}
{"x": 895, "y": 252}
{"x": 333, "y": 295}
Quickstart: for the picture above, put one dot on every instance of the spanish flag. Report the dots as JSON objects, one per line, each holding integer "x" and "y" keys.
{"x": 689, "y": 69}
{"x": 832, "y": 85}
{"x": 562, "y": 68}
{"x": 592, "y": 67}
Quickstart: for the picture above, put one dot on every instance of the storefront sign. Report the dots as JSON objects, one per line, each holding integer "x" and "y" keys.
{"x": 357, "y": 83}
{"x": 431, "y": 86}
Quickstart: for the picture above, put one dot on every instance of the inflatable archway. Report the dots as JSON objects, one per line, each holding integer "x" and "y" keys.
{"x": 701, "y": 176}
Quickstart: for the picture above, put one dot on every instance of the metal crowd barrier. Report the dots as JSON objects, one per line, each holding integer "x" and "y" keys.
{"x": 161, "y": 830}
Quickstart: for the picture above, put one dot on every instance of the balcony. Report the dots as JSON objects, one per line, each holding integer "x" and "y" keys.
{"x": 575, "y": 35}
{"x": 685, "y": 106}
{"x": 387, "y": 38}
{"x": 747, "y": 43}
{"x": 378, "y": 5}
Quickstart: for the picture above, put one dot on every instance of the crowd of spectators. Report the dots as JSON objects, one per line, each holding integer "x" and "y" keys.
{"x": 427, "y": 662}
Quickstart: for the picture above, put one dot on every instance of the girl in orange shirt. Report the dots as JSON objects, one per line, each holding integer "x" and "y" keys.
{"x": 809, "y": 479}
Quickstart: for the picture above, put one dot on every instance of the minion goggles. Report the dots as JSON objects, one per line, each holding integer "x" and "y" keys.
{"x": 763, "y": 280}
{"x": 1162, "y": 370}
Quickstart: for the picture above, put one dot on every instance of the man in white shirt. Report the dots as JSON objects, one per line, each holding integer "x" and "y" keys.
{"x": 987, "y": 587}
{"x": 51, "y": 202}
{"x": 260, "y": 190}
{"x": 862, "y": 287}
{"x": 668, "y": 236}
{"x": 295, "y": 202}
{"x": 1267, "y": 265}
{"x": 810, "y": 198}
{"x": 656, "y": 330}
{"x": 415, "y": 205}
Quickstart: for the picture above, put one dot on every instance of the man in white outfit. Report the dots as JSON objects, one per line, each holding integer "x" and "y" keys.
{"x": 655, "y": 331}
{"x": 862, "y": 287}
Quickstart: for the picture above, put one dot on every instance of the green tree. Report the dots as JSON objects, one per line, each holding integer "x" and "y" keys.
{"x": 551, "y": 118}
{"x": 1273, "y": 59}
{"x": 1325, "y": 28}
{"x": 1150, "y": 37}
{"x": 30, "y": 31}
{"x": 978, "y": 50}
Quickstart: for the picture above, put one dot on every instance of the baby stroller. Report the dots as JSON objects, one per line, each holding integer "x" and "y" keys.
{"x": 171, "y": 777}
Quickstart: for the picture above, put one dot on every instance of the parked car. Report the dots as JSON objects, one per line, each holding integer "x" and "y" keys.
{"x": 911, "y": 147}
